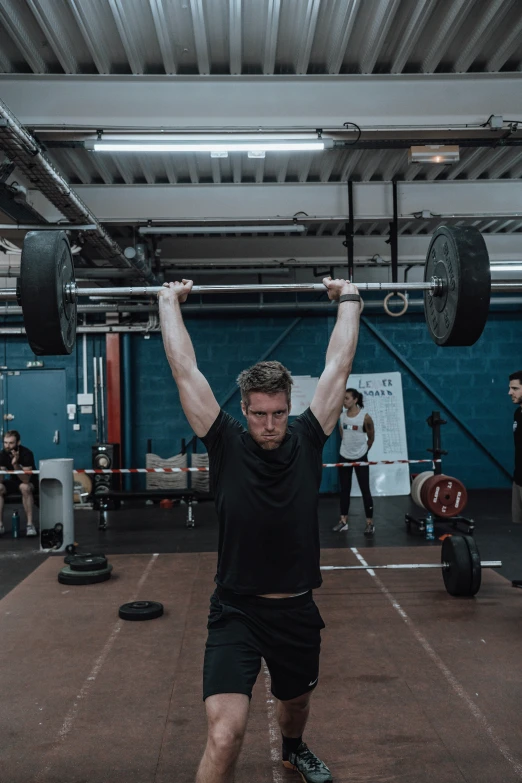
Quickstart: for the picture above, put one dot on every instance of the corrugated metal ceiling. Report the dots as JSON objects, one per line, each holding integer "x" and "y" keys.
{"x": 259, "y": 36}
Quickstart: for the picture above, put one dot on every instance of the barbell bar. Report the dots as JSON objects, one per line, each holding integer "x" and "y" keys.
{"x": 460, "y": 564}
{"x": 444, "y": 566}
{"x": 457, "y": 288}
{"x": 434, "y": 286}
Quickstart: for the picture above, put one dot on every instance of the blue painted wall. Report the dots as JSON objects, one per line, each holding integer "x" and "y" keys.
{"x": 14, "y": 355}
{"x": 472, "y": 381}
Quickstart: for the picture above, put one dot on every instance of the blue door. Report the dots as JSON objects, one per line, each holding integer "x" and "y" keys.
{"x": 34, "y": 403}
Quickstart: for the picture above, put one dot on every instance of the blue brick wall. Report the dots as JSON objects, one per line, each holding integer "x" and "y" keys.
{"x": 471, "y": 381}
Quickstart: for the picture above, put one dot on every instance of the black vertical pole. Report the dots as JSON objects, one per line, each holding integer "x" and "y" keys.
{"x": 394, "y": 237}
{"x": 348, "y": 231}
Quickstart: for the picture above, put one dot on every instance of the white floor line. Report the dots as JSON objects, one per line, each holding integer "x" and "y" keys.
{"x": 71, "y": 716}
{"x": 452, "y": 680}
{"x": 273, "y": 730}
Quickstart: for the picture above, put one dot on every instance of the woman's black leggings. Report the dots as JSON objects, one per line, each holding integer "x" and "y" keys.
{"x": 363, "y": 477}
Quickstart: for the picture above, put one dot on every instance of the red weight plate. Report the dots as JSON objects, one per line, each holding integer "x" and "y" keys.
{"x": 444, "y": 496}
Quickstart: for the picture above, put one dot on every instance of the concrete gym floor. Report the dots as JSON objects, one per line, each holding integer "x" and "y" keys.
{"x": 415, "y": 685}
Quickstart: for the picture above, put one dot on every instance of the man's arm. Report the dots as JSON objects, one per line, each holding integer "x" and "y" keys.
{"x": 197, "y": 399}
{"x": 369, "y": 429}
{"x": 15, "y": 465}
{"x": 329, "y": 394}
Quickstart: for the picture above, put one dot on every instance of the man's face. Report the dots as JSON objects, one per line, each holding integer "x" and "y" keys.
{"x": 267, "y": 418}
{"x": 515, "y": 392}
{"x": 11, "y": 444}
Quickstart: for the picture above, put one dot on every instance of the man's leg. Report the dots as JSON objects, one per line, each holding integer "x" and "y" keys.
{"x": 227, "y": 715}
{"x": 292, "y": 715}
{"x": 27, "y": 499}
{"x": 516, "y": 504}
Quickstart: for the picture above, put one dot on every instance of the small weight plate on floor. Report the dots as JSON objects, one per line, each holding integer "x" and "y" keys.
{"x": 444, "y": 496}
{"x": 459, "y": 257}
{"x": 92, "y": 563}
{"x": 67, "y": 559}
{"x": 458, "y": 576}
{"x": 69, "y": 577}
{"x": 141, "y": 610}
{"x": 46, "y": 269}
{"x": 476, "y": 568}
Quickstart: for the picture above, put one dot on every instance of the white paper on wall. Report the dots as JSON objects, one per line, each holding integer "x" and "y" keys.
{"x": 384, "y": 402}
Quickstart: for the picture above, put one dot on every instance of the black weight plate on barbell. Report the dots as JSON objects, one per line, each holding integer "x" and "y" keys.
{"x": 46, "y": 269}
{"x": 458, "y": 576}
{"x": 92, "y": 563}
{"x": 69, "y": 577}
{"x": 141, "y": 610}
{"x": 459, "y": 257}
{"x": 476, "y": 568}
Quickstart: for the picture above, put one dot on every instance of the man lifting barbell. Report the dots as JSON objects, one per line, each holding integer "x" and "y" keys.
{"x": 265, "y": 481}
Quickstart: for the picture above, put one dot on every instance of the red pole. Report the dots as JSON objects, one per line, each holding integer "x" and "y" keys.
{"x": 113, "y": 388}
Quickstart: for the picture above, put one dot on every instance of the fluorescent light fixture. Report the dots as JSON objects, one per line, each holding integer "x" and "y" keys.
{"x": 201, "y": 146}
{"x": 434, "y": 153}
{"x": 214, "y": 144}
{"x": 293, "y": 228}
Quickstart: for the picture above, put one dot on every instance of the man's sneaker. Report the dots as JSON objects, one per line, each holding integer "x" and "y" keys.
{"x": 2, "y": 529}
{"x": 370, "y": 530}
{"x": 340, "y": 527}
{"x": 31, "y": 531}
{"x": 311, "y": 769}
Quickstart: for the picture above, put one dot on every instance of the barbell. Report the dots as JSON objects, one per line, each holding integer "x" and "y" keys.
{"x": 460, "y": 563}
{"x": 457, "y": 288}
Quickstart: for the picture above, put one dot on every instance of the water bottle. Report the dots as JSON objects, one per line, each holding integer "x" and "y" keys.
{"x": 430, "y": 530}
{"x": 15, "y": 524}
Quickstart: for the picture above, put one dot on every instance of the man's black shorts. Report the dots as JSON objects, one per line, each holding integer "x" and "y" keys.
{"x": 242, "y": 629}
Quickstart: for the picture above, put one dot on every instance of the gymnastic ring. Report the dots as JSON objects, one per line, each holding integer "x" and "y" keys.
{"x": 398, "y": 313}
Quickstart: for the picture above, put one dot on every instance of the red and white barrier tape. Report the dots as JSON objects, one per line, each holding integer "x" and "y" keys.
{"x": 205, "y": 470}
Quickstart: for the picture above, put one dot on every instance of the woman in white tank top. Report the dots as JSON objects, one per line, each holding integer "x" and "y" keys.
{"x": 357, "y": 437}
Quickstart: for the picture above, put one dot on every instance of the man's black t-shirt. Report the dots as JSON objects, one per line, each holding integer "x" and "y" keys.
{"x": 517, "y": 432}
{"x": 266, "y": 502}
{"x": 25, "y": 459}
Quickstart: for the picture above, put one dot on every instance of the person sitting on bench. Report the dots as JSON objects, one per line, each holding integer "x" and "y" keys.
{"x": 14, "y": 456}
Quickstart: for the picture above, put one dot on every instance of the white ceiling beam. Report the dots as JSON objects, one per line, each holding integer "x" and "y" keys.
{"x": 21, "y": 36}
{"x": 340, "y": 35}
{"x": 272, "y": 31}
{"x": 235, "y": 36}
{"x": 55, "y": 32}
{"x": 315, "y": 249}
{"x": 507, "y": 47}
{"x": 128, "y": 38}
{"x": 445, "y": 33}
{"x": 88, "y": 23}
{"x": 200, "y": 36}
{"x": 372, "y": 200}
{"x": 163, "y": 33}
{"x": 382, "y": 17}
{"x": 416, "y": 23}
{"x": 476, "y": 40}
{"x": 257, "y": 101}
{"x": 307, "y": 34}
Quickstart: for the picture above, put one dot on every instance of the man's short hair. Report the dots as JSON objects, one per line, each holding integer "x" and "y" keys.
{"x": 13, "y": 434}
{"x": 267, "y": 378}
{"x": 516, "y": 376}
